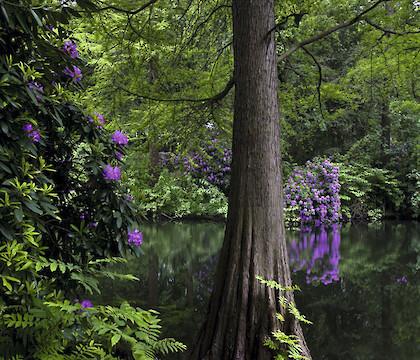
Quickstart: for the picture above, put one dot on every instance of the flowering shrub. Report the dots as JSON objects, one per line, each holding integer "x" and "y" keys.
{"x": 312, "y": 193}
{"x": 211, "y": 164}
{"x": 63, "y": 215}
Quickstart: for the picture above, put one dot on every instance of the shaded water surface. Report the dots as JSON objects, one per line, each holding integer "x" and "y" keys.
{"x": 360, "y": 285}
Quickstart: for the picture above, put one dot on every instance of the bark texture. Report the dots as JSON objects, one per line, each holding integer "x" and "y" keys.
{"x": 241, "y": 311}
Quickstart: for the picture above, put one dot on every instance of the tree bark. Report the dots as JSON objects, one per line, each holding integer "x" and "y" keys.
{"x": 242, "y": 311}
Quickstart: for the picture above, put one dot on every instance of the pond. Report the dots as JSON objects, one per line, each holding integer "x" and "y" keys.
{"x": 359, "y": 285}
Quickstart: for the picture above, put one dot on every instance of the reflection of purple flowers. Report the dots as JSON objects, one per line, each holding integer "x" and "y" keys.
{"x": 70, "y": 48}
{"x": 85, "y": 304}
{"x": 33, "y": 134}
{"x": 112, "y": 173}
{"x": 118, "y": 137}
{"x": 75, "y": 73}
{"x": 317, "y": 254}
{"x": 314, "y": 190}
{"x": 135, "y": 237}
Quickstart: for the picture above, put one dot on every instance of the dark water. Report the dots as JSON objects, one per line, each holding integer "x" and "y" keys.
{"x": 360, "y": 285}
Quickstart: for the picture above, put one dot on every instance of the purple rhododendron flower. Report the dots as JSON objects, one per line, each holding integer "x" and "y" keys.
{"x": 93, "y": 224}
{"x": 27, "y": 127}
{"x": 86, "y": 304}
{"x": 315, "y": 189}
{"x": 37, "y": 88}
{"x": 112, "y": 173}
{"x": 135, "y": 237}
{"x": 33, "y": 85}
{"x": 402, "y": 280}
{"x": 129, "y": 197}
{"x": 34, "y": 135}
{"x": 70, "y": 48}
{"x": 75, "y": 74}
{"x": 118, "y": 137}
{"x": 100, "y": 118}
{"x": 213, "y": 164}
{"x": 97, "y": 119}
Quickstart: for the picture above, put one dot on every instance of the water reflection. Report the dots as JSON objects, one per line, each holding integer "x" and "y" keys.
{"x": 317, "y": 252}
{"x": 360, "y": 285}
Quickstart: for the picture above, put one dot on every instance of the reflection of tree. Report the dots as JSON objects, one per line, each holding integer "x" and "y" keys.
{"x": 176, "y": 274}
{"x": 369, "y": 314}
{"x": 318, "y": 253}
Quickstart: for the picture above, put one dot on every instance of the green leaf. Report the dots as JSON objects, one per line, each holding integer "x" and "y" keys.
{"x": 33, "y": 207}
{"x": 37, "y": 19}
{"x": 115, "y": 339}
{"x": 19, "y": 214}
{"x": 7, "y": 284}
{"x": 53, "y": 266}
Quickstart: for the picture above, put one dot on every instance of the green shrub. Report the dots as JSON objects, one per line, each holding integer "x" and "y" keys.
{"x": 62, "y": 218}
{"x": 181, "y": 196}
{"x": 367, "y": 193}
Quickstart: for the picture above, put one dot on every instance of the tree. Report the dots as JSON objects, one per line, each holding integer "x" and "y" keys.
{"x": 242, "y": 311}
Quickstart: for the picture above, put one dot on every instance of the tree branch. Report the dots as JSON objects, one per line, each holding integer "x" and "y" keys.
{"x": 329, "y": 31}
{"x": 213, "y": 99}
{"x": 128, "y": 12}
{"x": 280, "y": 25}
{"x": 389, "y": 31}
{"x": 318, "y": 87}
{"x": 217, "y": 8}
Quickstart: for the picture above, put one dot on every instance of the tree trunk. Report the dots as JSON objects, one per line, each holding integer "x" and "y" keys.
{"x": 242, "y": 312}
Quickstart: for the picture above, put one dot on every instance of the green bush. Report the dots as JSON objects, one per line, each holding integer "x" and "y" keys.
{"x": 367, "y": 193}
{"x": 181, "y": 196}
{"x": 62, "y": 219}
